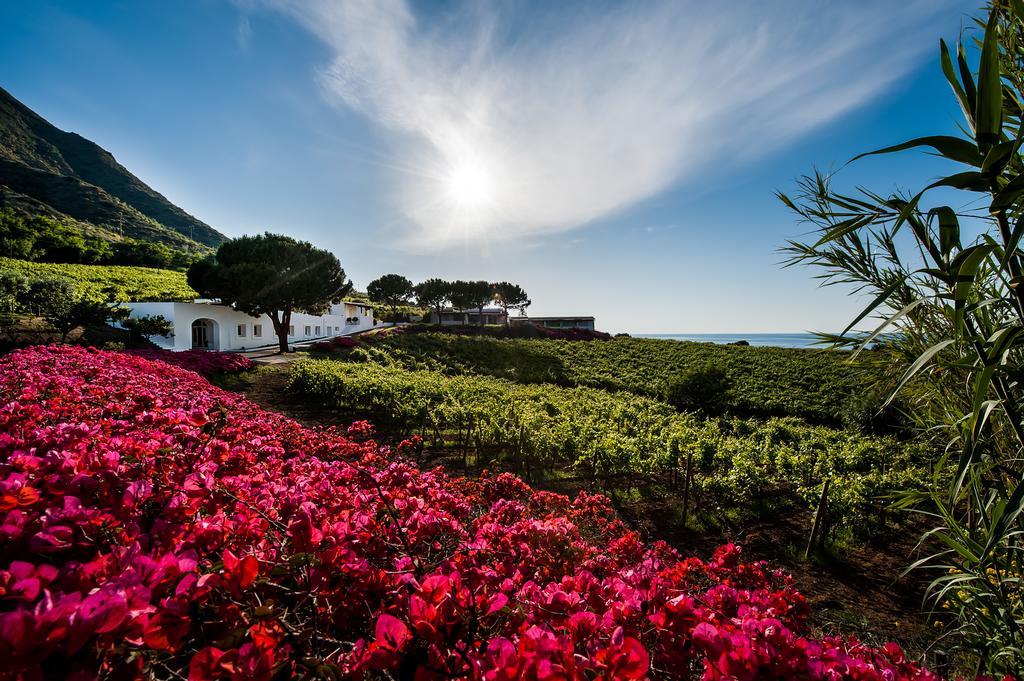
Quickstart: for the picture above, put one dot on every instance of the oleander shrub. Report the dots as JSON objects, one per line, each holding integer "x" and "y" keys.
{"x": 154, "y": 526}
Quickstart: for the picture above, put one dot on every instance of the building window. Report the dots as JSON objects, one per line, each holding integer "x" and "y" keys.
{"x": 307, "y": 331}
{"x": 291, "y": 330}
{"x": 257, "y": 331}
{"x": 241, "y": 330}
{"x": 318, "y": 330}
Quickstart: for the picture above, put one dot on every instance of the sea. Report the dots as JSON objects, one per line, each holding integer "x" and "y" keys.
{"x": 780, "y": 340}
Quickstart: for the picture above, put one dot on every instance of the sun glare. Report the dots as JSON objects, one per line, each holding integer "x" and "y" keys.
{"x": 469, "y": 186}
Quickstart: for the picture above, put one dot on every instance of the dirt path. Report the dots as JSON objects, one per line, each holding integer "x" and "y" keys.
{"x": 860, "y": 592}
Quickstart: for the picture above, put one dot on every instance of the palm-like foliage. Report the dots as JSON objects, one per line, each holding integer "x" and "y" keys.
{"x": 947, "y": 291}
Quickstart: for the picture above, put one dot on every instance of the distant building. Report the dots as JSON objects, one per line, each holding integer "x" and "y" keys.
{"x": 453, "y": 317}
{"x": 557, "y": 322}
{"x": 209, "y": 326}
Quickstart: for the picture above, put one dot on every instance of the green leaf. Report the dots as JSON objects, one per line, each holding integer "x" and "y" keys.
{"x": 1011, "y": 245}
{"x": 949, "y": 229}
{"x": 998, "y": 156}
{"x": 1007, "y": 195}
{"x": 881, "y": 298}
{"x": 965, "y": 75}
{"x": 979, "y": 412}
{"x": 843, "y": 228}
{"x": 919, "y": 364}
{"x": 1007, "y": 514}
{"x": 989, "y": 106}
{"x": 953, "y": 148}
{"x": 966, "y": 265}
{"x": 885, "y": 324}
{"x": 970, "y": 180}
{"x": 966, "y": 103}
{"x": 1017, "y": 7}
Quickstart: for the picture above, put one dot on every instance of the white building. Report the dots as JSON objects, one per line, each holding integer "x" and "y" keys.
{"x": 451, "y": 317}
{"x": 210, "y": 326}
{"x": 557, "y": 322}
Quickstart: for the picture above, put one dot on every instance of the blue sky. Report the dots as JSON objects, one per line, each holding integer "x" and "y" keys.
{"x": 616, "y": 159}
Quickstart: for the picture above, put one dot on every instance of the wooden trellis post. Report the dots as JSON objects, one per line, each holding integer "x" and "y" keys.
{"x": 686, "y": 485}
{"x": 819, "y": 516}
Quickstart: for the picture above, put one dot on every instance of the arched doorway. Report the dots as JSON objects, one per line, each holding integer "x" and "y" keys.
{"x": 204, "y": 334}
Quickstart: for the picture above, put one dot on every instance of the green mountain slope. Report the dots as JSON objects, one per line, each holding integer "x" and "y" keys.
{"x": 78, "y": 178}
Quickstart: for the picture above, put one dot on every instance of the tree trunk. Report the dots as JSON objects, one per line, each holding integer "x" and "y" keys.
{"x": 281, "y": 324}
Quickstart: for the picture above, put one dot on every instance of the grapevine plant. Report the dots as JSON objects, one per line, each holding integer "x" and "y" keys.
{"x": 622, "y": 439}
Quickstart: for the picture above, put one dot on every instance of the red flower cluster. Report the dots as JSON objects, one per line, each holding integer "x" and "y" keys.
{"x": 337, "y": 343}
{"x": 573, "y": 334}
{"x": 205, "y": 362}
{"x": 153, "y": 525}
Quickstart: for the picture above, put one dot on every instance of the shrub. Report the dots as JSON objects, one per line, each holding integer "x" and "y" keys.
{"x": 335, "y": 344}
{"x": 204, "y": 362}
{"x": 148, "y": 325}
{"x": 706, "y": 388}
{"x": 870, "y": 412}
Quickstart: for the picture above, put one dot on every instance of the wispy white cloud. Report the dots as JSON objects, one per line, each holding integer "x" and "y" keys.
{"x": 558, "y": 117}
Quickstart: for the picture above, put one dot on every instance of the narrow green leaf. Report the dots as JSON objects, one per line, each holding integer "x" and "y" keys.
{"x": 1007, "y": 195}
{"x": 884, "y": 325}
{"x": 970, "y": 180}
{"x": 919, "y": 364}
{"x": 966, "y": 265}
{"x": 1011, "y": 245}
{"x": 966, "y": 76}
{"x": 953, "y": 148}
{"x": 881, "y": 298}
{"x": 966, "y": 103}
{"x": 1010, "y": 512}
{"x": 1017, "y": 7}
{"x": 843, "y": 228}
{"x": 979, "y": 414}
{"x": 949, "y": 229}
{"x": 989, "y": 106}
{"x": 998, "y": 156}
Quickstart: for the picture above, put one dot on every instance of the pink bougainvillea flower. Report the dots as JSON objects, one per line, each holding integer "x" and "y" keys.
{"x": 153, "y": 525}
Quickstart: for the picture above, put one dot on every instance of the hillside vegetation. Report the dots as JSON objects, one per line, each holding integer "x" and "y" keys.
{"x": 811, "y": 384}
{"x": 109, "y": 282}
{"x": 44, "y": 170}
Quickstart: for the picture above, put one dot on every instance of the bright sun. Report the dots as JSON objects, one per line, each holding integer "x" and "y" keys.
{"x": 469, "y": 186}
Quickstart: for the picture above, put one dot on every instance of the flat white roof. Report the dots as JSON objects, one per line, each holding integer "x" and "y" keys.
{"x": 546, "y": 319}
